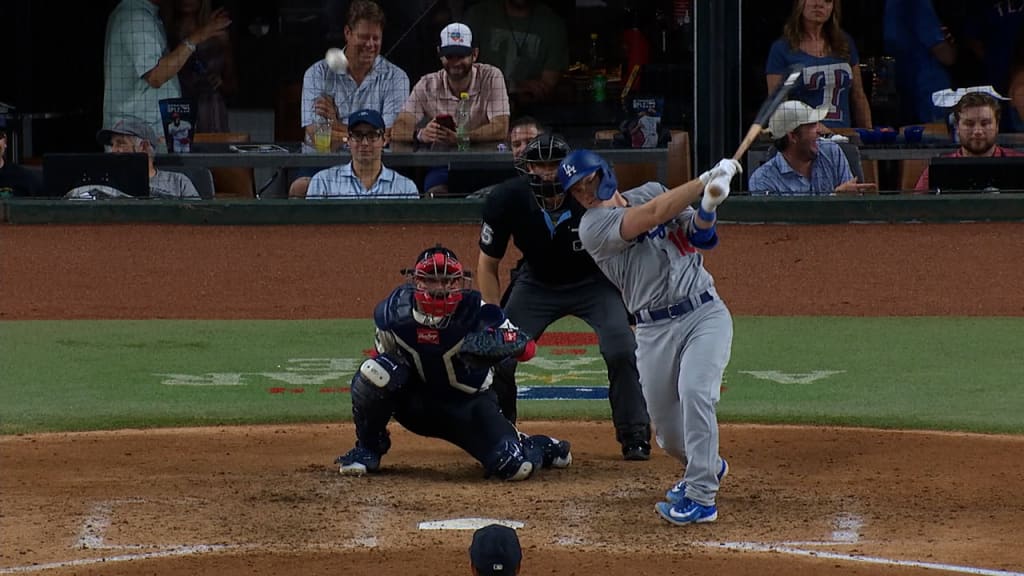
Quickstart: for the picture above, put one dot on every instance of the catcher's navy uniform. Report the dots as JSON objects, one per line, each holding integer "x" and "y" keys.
{"x": 420, "y": 379}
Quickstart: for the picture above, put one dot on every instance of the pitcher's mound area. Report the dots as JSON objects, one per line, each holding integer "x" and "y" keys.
{"x": 267, "y": 500}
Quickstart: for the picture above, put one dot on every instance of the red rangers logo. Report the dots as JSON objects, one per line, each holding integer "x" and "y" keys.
{"x": 427, "y": 336}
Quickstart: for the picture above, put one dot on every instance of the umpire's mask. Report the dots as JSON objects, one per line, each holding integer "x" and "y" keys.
{"x": 539, "y": 165}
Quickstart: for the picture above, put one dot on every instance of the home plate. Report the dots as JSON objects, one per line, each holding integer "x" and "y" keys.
{"x": 467, "y": 524}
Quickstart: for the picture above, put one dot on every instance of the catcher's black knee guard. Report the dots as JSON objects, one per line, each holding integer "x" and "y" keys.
{"x": 374, "y": 388}
{"x": 509, "y": 461}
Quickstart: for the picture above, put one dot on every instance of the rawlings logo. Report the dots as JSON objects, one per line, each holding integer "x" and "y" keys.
{"x": 427, "y": 336}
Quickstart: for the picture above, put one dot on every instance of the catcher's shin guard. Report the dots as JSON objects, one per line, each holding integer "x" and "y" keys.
{"x": 372, "y": 407}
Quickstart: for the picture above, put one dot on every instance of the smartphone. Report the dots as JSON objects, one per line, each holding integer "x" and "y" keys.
{"x": 446, "y": 120}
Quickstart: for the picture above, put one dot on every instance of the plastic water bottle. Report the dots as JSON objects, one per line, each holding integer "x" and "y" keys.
{"x": 462, "y": 122}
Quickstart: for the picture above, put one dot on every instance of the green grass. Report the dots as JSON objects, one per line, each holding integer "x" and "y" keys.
{"x": 927, "y": 373}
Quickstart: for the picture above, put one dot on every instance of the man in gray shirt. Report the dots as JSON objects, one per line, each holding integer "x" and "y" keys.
{"x": 645, "y": 241}
{"x": 133, "y": 135}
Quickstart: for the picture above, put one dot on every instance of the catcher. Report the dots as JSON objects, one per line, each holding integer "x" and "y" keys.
{"x": 436, "y": 344}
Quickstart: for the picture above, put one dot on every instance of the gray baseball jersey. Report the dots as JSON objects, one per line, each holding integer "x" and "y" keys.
{"x": 681, "y": 359}
{"x": 659, "y": 268}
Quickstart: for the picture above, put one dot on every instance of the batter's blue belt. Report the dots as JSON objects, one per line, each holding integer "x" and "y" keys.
{"x": 673, "y": 311}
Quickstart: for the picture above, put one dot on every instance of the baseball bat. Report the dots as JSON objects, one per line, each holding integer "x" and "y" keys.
{"x": 770, "y": 105}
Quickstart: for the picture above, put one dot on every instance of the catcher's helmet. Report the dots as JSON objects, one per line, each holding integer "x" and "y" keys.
{"x": 582, "y": 163}
{"x": 544, "y": 149}
{"x": 439, "y": 280}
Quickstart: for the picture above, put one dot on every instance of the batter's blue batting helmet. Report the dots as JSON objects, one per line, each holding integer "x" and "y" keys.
{"x": 581, "y": 163}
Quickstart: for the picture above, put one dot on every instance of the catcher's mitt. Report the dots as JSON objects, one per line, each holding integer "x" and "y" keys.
{"x": 490, "y": 346}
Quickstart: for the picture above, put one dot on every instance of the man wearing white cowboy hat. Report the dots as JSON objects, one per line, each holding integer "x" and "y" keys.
{"x": 805, "y": 164}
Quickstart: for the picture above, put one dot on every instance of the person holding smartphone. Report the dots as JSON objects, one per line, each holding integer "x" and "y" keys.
{"x": 428, "y": 117}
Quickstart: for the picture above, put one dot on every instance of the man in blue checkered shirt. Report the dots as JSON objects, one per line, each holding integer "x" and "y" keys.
{"x": 805, "y": 164}
{"x": 365, "y": 176}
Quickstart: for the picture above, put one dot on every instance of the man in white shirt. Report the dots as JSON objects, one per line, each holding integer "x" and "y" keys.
{"x": 365, "y": 176}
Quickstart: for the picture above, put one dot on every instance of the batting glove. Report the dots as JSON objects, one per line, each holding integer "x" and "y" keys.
{"x": 716, "y": 188}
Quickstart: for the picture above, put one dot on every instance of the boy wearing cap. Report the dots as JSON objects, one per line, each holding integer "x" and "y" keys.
{"x": 437, "y": 94}
{"x": 365, "y": 176}
{"x": 133, "y": 135}
{"x": 805, "y": 164}
{"x": 495, "y": 550}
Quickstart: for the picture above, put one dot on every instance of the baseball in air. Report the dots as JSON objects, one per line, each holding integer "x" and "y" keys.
{"x": 336, "y": 60}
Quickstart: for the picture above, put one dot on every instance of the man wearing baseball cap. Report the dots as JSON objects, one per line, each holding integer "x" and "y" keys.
{"x": 805, "y": 164}
{"x": 495, "y": 551}
{"x": 436, "y": 95}
{"x": 365, "y": 176}
{"x": 134, "y": 135}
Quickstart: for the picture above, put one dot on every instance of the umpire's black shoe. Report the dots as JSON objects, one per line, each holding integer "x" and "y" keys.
{"x": 638, "y": 450}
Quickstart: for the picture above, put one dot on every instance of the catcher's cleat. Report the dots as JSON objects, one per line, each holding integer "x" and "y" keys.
{"x": 639, "y": 450}
{"x": 561, "y": 454}
{"x": 677, "y": 493}
{"x": 557, "y": 453}
{"x": 358, "y": 461}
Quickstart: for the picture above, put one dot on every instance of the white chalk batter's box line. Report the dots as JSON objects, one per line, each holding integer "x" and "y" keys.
{"x": 93, "y": 531}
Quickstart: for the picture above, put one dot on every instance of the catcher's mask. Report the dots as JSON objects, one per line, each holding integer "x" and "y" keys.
{"x": 539, "y": 164}
{"x": 439, "y": 280}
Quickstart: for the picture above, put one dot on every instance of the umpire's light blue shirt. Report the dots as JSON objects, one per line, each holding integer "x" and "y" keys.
{"x": 342, "y": 182}
{"x": 384, "y": 89}
{"x": 777, "y": 177}
{"x": 135, "y": 42}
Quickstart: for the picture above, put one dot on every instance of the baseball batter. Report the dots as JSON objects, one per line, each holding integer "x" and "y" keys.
{"x": 421, "y": 378}
{"x": 645, "y": 240}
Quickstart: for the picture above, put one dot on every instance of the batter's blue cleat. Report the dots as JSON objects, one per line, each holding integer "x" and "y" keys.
{"x": 687, "y": 511}
{"x": 678, "y": 492}
{"x": 358, "y": 461}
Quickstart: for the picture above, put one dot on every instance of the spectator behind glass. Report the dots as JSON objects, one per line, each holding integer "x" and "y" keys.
{"x": 977, "y": 125}
{"x": 526, "y": 40}
{"x": 138, "y": 69}
{"x": 370, "y": 82}
{"x": 805, "y": 164}
{"x": 365, "y": 176}
{"x": 831, "y": 78}
{"x": 495, "y": 551}
{"x": 923, "y": 51}
{"x": 132, "y": 135}
{"x": 437, "y": 94}
{"x": 523, "y": 129}
{"x": 209, "y": 74}
{"x": 15, "y": 180}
